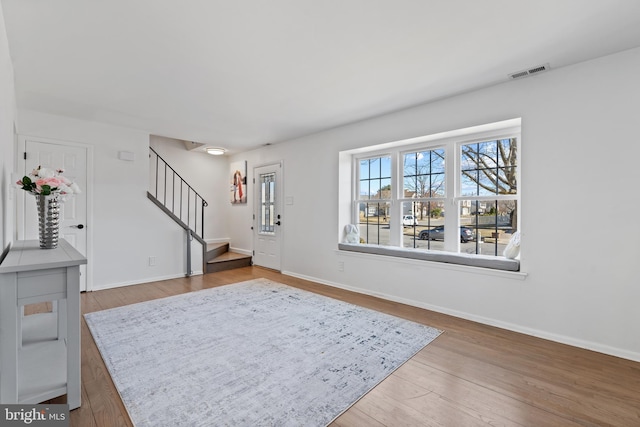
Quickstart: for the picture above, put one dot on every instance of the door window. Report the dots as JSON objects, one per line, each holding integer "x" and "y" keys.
{"x": 266, "y": 221}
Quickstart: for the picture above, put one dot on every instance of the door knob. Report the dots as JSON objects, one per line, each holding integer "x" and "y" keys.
{"x": 278, "y": 223}
{"x": 79, "y": 226}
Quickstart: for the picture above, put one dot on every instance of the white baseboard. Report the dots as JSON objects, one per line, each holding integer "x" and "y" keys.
{"x": 241, "y": 251}
{"x": 219, "y": 240}
{"x": 563, "y": 339}
{"x": 140, "y": 282}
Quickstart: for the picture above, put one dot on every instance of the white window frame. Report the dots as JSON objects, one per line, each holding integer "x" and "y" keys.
{"x": 452, "y": 143}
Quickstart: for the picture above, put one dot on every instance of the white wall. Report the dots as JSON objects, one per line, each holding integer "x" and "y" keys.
{"x": 580, "y": 176}
{"x": 126, "y": 228}
{"x": 7, "y": 118}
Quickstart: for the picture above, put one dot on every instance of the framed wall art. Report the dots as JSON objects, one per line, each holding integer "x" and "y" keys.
{"x": 238, "y": 182}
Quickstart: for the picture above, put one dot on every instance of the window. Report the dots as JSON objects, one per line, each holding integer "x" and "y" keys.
{"x": 489, "y": 193}
{"x": 373, "y": 199}
{"x": 266, "y": 222}
{"x": 423, "y": 193}
{"x": 457, "y": 192}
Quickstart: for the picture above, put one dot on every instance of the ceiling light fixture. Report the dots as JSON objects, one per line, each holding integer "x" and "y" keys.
{"x": 216, "y": 151}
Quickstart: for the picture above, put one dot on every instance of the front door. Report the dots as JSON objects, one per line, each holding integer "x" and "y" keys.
{"x": 268, "y": 216}
{"x": 73, "y": 160}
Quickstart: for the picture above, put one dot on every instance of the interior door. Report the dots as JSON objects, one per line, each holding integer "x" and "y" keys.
{"x": 268, "y": 216}
{"x": 73, "y": 160}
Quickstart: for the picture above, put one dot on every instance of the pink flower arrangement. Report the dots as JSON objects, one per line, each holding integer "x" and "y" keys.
{"x": 45, "y": 181}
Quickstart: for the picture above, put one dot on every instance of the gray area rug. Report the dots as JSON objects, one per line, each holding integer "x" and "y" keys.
{"x": 256, "y": 353}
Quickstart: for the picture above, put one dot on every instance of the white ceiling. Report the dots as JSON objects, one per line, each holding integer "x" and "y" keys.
{"x": 240, "y": 74}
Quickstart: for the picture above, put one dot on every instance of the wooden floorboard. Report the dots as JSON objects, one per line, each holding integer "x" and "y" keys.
{"x": 472, "y": 375}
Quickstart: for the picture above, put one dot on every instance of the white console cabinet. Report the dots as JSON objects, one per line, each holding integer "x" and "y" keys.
{"x": 40, "y": 353}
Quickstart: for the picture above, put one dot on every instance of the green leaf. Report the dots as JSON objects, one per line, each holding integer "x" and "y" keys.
{"x": 46, "y": 190}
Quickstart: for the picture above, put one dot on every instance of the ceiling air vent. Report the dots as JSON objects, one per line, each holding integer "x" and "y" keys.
{"x": 529, "y": 72}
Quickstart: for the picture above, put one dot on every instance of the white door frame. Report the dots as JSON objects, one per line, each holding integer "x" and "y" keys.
{"x": 279, "y": 205}
{"x": 21, "y": 198}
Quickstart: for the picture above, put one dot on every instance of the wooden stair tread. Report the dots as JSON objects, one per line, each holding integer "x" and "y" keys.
{"x": 214, "y": 246}
{"x": 228, "y": 256}
{"x": 214, "y": 250}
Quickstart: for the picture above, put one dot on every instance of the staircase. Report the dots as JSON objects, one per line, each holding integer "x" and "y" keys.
{"x": 182, "y": 203}
{"x": 219, "y": 258}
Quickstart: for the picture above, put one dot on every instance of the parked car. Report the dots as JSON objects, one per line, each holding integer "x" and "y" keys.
{"x": 437, "y": 233}
{"x": 409, "y": 221}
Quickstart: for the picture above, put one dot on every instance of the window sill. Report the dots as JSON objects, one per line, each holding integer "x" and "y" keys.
{"x": 483, "y": 262}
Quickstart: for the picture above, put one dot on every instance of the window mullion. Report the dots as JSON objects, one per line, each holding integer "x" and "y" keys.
{"x": 451, "y": 217}
{"x": 395, "y": 225}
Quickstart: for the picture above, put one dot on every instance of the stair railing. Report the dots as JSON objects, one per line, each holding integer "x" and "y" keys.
{"x": 180, "y": 201}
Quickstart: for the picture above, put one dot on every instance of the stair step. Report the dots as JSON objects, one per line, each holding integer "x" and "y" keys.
{"x": 228, "y": 256}
{"x": 228, "y": 261}
{"x": 216, "y": 249}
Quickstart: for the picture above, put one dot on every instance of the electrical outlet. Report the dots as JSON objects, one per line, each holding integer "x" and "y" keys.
{"x": 340, "y": 265}
{"x": 152, "y": 261}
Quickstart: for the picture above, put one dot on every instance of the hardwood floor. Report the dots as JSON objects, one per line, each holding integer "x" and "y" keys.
{"x": 471, "y": 375}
